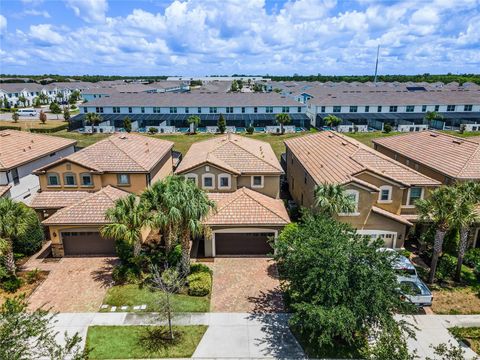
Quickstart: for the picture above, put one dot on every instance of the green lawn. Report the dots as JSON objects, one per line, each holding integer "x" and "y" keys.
{"x": 142, "y": 342}
{"x": 130, "y": 295}
{"x": 470, "y": 336}
{"x": 367, "y": 137}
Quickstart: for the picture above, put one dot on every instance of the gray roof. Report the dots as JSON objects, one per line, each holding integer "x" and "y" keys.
{"x": 195, "y": 99}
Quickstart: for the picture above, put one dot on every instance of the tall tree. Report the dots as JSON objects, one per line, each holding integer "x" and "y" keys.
{"x": 55, "y": 109}
{"x": 331, "y": 199}
{"x": 468, "y": 198}
{"x": 93, "y": 119}
{"x": 66, "y": 113}
{"x": 127, "y": 124}
{"x": 332, "y": 120}
{"x": 221, "y": 124}
{"x": 127, "y": 219}
{"x": 23, "y": 100}
{"x": 438, "y": 209}
{"x": 43, "y": 97}
{"x": 194, "y": 120}
{"x": 282, "y": 119}
{"x": 15, "y": 117}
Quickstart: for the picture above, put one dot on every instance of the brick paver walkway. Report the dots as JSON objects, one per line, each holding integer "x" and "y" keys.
{"x": 76, "y": 284}
{"x": 246, "y": 285}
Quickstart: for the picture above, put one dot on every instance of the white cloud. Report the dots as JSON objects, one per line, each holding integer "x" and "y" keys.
{"x": 3, "y": 23}
{"x": 93, "y": 11}
{"x": 33, "y": 12}
{"x": 43, "y": 34}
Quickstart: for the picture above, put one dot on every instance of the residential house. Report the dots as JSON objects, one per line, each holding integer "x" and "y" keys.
{"x": 384, "y": 190}
{"x": 21, "y": 153}
{"x": 242, "y": 176}
{"x": 446, "y": 158}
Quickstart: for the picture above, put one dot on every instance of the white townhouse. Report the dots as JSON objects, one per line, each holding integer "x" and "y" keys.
{"x": 23, "y": 152}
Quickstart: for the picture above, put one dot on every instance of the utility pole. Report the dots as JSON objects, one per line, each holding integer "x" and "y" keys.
{"x": 376, "y": 66}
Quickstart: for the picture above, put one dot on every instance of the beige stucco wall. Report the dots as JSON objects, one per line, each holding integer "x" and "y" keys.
{"x": 300, "y": 183}
{"x": 163, "y": 169}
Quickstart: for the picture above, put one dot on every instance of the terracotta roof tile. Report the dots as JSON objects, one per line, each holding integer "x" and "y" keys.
{"x": 237, "y": 154}
{"x": 247, "y": 207}
{"x": 333, "y": 158}
{"x": 390, "y": 215}
{"x": 451, "y": 155}
{"x": 20, "y": 147}
{"x": 89, "y": 210}
{"x": 57, "y": 199}
{"x": 121, "y": 152}
{"x": 4, "y": 189}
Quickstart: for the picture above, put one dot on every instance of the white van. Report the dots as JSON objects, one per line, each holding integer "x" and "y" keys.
{"x": 27, "y": 112}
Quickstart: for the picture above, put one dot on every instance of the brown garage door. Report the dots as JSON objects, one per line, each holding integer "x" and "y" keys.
{"x": 87, "y": 243}
{"x": 243, "y": 244}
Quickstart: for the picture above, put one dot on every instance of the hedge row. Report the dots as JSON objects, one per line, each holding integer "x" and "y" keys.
{"x": 9, "y": 127}
{"x": 50, "y": 130}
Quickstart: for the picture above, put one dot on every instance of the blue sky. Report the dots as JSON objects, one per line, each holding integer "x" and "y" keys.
{"x": 205, "y": 37}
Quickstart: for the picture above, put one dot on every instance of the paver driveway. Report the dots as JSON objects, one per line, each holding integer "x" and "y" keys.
{"x": 246, "y": 285}
{"x": 76, "y": 284}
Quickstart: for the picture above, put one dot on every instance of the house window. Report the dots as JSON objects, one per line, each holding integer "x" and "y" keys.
{"x": 414, "y": 194}
{"x": 53, "y": 179}
{"x": 424, "y": 108}
{"x": 15, "y": 177}
{"x": 69, "y": 179}
{"x": 99, "y": 109}
{"x": 305, "y": 178}
{"x": 367, "y": 108}
{"x": 130, "y": 110}
{"x": 224, "y": 181}
{"x": 208, "y": 181}
{"x": 123, "y": 179}
{"x": 156, "y": 110}
{"x": 353, "y": 109}
{"x": 410, "y": 108}
{"x": 269, "y": 109}
{"x": 199, "y": 110}
{"x": 354, "y": 196}
{"x": 192, "y": 177}
{"x": 229, "y": 110}
{"x": 385, "y": 194}
{"x": 257, "y": 181}
{"x": 85, "y": 110}
{"x": 393, "y": 108}
{"x": 142, "y": 110}
{"x": 379, "y": 109}
{"x": 243, "y": 110}
{"x": 337, "y": 108}
{"x": 322, "y": 109}
{"x": 437, "y": 107}
{"x": 450, "y": 107}
{"x": 116, "y": 110}
{"x": 285, "y": 109}
{"x": 212, "y": 110}
{"x": 187, "y": 110}
{"x": 467, "y": 107}
{"x": 173, "y": 110}
{"x": 299, "y": 109}
{"x": 255, "y": 109}
{"x": 86, "y": 179}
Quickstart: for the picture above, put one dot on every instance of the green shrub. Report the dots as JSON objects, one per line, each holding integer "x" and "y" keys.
{"x": 199, "y": 284}
{"x": 476, "y": 271}
{"x": 446, "y": 267}
{"x": 405, "y": 252}
{"x": 152, "y": 130}
{"x": 33, "y": 276}
{"x": 472, "y": 258}
{"x": 8, "y": 127}
{"x": 250, "y": 129}
{"x": 12, "y": 284}
{"x": 3, "y": 273}
{"x": 174, "y": 256}
{"x": 198, "y": 268}
{"x": 50, "y": 130}
{"x": 124, "y": 274}
{"x": 31, "y": 241}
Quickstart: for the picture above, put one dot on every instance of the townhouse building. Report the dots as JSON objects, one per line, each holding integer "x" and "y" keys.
{"x": 383, "y": 189}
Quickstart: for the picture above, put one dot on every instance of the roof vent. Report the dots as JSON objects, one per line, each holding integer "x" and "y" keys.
{"x": 123, "y": 136}
{"x": 5, "y": 134}
{"x": 457, "y": 141}
{"x": 434, "y": 135}
{"x": 344, "y": 143}
{"x": 330, "y": 136}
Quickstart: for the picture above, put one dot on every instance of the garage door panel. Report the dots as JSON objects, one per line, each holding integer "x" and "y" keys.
{"x": 87, "y": 243}
{"x": 243, "y": 243}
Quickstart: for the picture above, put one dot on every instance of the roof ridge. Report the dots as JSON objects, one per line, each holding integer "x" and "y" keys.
{"x": 136, "y": 162}
{"x": 248, "y": 192}
{"x": 232, "y": 197}
{"x": 469, "y": 158}
{"x": 248, "y": 151}
{"x": 67, "y": 208}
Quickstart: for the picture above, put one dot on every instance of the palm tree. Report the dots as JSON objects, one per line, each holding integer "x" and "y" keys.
{"x": 23, "y": 100}
{"x": 93, "y": 119}
{"x": 332, "y": 120}
{"x": 43, "y": 97}
{"x": 468, "y": 196}
{"x": 15, "y": 220}
{"x": 127, "y": 219}
{"x": 194, "y": 120}
{"x": 438, "y": 209}
{"x": 282, "y": 119}
{"x": 331, "y": 199}
{"x": 432, "y": 116}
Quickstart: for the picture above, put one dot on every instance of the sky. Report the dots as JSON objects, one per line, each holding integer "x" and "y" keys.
{"x": 224, "y": 37}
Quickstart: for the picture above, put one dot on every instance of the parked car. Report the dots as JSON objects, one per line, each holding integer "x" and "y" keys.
{"x": 402, "y": 266}
{"x": 415, "y": 291}
{"x": 25, "y": 112}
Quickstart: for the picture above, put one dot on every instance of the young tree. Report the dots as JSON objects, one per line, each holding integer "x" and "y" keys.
{"x": 234, "y": 86}
{"x": 15, "y": 117}
{"x": 66, "y": 113}
{"x": 93, "y": 119}
{"x": 221, "y": 124}
{"x": 6, "y": 104}
{"x": 387, "y": 128}
{"x": 55, "y": 108}
{"x": 336, "y": 298}
{"x": 26, "y": 335}
{"x": 282, "y": 119}
{"x": 152, "y": 130}
{"x": 193, "y": 120}
{"x": 332, "y": 120}
{"x": 23, "y": 100}
{"x": 42, "y": 116}
{"x": 438, "y": 209}
{"x": 127, "y": 124}
{"x": 168, "y": 283}
{"x": 432, "y": 116}
{"x": 43, "y": 97}
{"x": 36, "y": 102}
{"x": 331, "y": 199}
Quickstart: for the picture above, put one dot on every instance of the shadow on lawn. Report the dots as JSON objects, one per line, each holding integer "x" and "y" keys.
{"x": 156, "y": 339}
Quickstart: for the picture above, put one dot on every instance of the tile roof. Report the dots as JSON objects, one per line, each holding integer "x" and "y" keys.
{"x": 448, "y": 154}
{"x": 333, "y": 158}
{"x": 20, "y": 147}
{"x": 247, "y": 207}
{"x": 4, "y": 189}
{"x": 121, "y": 153}
{"x": 234, "y": 153}
{"x": 57, "y": 199}
{"x": 399, "y": 218}
{"x": 89, "y": 210}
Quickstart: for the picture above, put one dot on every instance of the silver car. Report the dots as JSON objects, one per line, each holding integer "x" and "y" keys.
{"x": 415, "y": 291}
